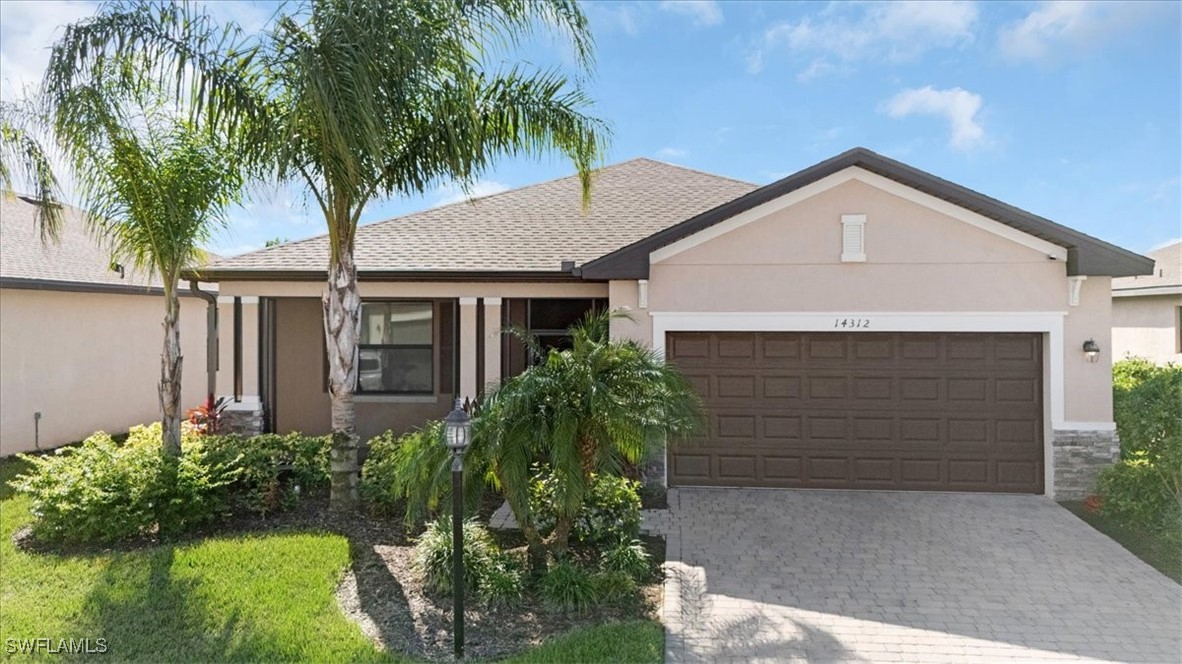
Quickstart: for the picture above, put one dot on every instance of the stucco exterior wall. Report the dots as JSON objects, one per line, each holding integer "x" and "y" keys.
{"x": 88, "y": 362}
{"x": 1088, "y": 385}
{"x": 1146, "y": 326}
{"x": 250, "y": 346}
{"x": 302, "y": 401}
{"x": 918, "y": 261}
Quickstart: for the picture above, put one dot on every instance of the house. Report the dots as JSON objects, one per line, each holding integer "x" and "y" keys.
{"x": 80, "y": 336}
{"x": 1147, "y": 310}
{"x": 859, "y": 324}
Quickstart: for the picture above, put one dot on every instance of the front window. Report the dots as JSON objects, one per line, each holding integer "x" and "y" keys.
{"x": 397, "y": 348}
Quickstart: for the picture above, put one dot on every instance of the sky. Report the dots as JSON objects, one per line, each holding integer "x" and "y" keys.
{"x": 1069, "y": 110}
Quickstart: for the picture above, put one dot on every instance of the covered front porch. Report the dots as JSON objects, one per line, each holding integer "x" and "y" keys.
{"x": 422, "y": 345}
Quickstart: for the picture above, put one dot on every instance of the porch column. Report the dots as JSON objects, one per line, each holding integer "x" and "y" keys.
{"x": 492, "y": 340}
{"x": 467, "y": 348}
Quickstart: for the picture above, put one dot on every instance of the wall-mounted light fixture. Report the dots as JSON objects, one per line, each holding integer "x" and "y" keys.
{"x": 1091, "y": 350}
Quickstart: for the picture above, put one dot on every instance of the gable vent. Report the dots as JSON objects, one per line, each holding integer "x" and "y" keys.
{"x": 853, "y": 238}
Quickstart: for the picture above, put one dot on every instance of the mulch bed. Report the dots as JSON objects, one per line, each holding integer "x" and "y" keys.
{"x": 381, "y": 592}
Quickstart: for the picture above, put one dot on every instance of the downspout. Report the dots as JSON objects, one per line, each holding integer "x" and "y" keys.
{"x": 211, "y": 338}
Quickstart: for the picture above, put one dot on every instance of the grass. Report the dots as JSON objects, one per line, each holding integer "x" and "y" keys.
{"x": 261, "y": 597}
{"x": 1162, "y": 554}
{"x": 635, "y": 641}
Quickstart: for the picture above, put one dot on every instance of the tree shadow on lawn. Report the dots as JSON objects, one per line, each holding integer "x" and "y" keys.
{"x": 146, "y": 613}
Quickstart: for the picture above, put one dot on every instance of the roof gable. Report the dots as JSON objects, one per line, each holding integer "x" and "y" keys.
{"x": 1085, "y": 254}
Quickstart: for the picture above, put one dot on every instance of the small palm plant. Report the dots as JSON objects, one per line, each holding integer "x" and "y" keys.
{"x": 154, "y": 188}
{"x": 596, "y": 407}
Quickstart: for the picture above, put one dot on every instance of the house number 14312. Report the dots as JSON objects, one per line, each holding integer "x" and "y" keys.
{"x": 851, "y": 323}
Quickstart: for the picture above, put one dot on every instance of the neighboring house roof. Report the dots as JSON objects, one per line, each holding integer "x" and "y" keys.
{"x": 1085, "y": 255}
{"x": 521, "y": 233}
{"x": 76, "y": 262}
{"x": 1166, "y": 278}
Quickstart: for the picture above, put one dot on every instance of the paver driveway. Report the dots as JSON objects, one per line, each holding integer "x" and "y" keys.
{"x": 781, "y": 575}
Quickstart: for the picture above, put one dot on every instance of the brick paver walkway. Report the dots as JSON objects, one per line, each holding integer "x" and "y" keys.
{"x": 778, "y": 575}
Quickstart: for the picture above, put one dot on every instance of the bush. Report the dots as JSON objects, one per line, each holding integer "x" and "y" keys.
{"x": 568, "y": 587}
{"x": 491, "y": 575}
{"x": 101, "y": 491}
{"x": 615, "y": 587}
{"x": 1145, "y": 487}
{"x": 269, "y": 472}
{"x": 630, "y": 558}
{"x": 610, "y": 514}
{"x": 415, "y": 470}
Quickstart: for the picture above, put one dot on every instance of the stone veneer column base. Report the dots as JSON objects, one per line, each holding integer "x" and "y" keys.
{"x": 244, "y": 417}
{"x": 1079, "y": 457}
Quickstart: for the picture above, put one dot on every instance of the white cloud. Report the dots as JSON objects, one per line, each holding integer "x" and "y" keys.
{"x": 956, "y": 105}
{"x": 1066, "y": 26}
{"x": 895, "y": 31}
{"x": 669, "y": 152}
{"x": 27, "y": 31}
{"x": 703, "y": 12}
{"x": 452, "y": 193}
{"x": 1165, "y": 243}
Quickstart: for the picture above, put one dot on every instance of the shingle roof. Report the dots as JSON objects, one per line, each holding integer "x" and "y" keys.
{"x": 1085, "y": 254}
{"x": 76, "y": 262}
{"x": 1167, "y": 272}
{"x": 527, "y": 230}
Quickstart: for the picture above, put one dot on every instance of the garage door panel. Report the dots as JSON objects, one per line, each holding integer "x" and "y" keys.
{"x": 864, "y": 410}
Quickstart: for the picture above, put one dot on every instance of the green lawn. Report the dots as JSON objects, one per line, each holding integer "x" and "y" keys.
{"x": 1154, "y": 549}
{"x": 267, "y": 597}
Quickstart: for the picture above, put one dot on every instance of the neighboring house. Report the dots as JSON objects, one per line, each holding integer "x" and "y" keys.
{"x": 80, "y": 337}
{"x": 1147, "y": 310}
{"x": 860, "y": 324}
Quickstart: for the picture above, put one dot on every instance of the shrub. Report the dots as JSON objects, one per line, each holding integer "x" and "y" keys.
{"x": 503, "y": 582}
{"x": 568, "y": 587}
{"x": 101, "y": 491}
{"x": 610, "y": 514}
{"x": 630, "y": 558}
{"x": 270, "y": 471}
{"x": 377, "y": 487}
{"x": 1145, "y": 487}
{"x": 615, "y": 587}
{"x": 482, "y": 560}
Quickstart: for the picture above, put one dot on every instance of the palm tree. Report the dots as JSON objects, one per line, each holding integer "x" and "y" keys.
{"x": 154, "y": 188}
{"x": 358, "y": 100}
{"x": 22, "y": 155}
{"x": 597, "y": 407}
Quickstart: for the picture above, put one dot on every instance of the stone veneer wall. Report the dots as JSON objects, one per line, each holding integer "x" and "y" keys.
{"x": 243, "y": 419}
{"x": 1079, "y": 458}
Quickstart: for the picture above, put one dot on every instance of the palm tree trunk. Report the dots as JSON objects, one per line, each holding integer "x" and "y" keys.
{"x": 170, "y": 374}
{"x": 560, "y": 538}
{"x": 342, "y": 329}
{"x": 535, "y": 546}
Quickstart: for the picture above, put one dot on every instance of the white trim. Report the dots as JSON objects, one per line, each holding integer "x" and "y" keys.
{"x": 853, "y": 254}
{"x": 642, "y": 293}
{"x": 1049, "y": 323}
{"x": 1147, "y": 291}
{"x": 1083, "y": 426}
{"x": 492, "y": 301}
{"x": 467, "y": 301}
{"x": 1074, "y": 283}
{"x": 874, "y": 180}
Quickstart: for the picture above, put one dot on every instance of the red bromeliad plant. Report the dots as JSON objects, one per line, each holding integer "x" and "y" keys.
{"x": 206, "y": 418}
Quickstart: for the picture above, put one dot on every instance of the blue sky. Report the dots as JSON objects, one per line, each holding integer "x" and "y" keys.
{"x": 1069, "y": 110}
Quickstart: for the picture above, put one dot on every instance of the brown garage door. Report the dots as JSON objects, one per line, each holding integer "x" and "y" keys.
{"x": 960, "y": 412}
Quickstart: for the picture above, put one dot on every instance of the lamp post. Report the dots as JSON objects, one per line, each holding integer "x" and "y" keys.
{"x": 457, "y": 429}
